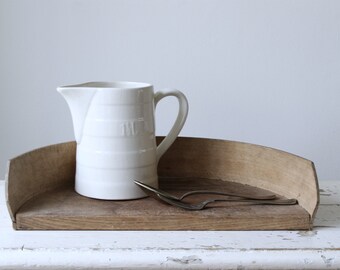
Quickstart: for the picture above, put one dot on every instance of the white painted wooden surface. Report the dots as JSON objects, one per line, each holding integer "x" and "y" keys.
{"x": 316, "y": 249}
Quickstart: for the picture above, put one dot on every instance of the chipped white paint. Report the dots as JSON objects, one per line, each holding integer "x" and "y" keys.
{"x": 317, "y": 249}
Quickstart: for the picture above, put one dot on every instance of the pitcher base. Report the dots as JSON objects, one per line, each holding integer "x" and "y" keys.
{"x": 105, "y": 193}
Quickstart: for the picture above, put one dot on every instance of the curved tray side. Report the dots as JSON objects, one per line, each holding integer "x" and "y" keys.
{"x": 267, "y": 168}
{"x": 38, "y": 171}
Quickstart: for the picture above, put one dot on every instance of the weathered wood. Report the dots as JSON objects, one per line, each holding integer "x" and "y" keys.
{"x": 65, "y": 209}
{"x": 36, "y": 202}
{"x": 38, "y": 171}
{"x": 259, "y": 166}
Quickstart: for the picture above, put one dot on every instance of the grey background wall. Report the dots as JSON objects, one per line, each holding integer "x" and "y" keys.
{"x": 264, "y": 72}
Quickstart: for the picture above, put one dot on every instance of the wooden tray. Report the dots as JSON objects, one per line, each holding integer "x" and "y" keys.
{"x": 40, "y": 195}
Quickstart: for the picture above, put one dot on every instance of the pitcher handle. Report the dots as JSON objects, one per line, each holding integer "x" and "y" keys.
{"x": 180, "y": 120}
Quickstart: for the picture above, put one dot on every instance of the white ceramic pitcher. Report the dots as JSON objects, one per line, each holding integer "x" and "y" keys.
{"x": 114, "y": 128}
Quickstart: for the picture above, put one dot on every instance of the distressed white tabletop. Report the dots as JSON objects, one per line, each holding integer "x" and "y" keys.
{"x": 316, "y": 249}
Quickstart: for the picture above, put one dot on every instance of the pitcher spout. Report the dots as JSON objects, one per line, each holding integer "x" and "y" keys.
{"x": 79, "y": 100}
